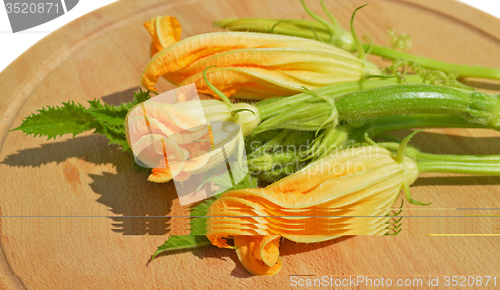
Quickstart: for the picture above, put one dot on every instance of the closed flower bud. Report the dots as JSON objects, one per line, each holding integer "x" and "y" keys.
{"x": 253, "y": 65}
{"x": 247, "y": 116}
{"x": 182, "y": 139}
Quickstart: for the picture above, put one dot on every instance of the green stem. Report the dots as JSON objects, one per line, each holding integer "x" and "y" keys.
{"x": 332, "y": 18}
{"x": 400, "y": 152}
{"x": 459, "y": 167}
{"x": 327, "y": 25}
{"x": 345, "y": 41}
{"x": 214, "y": 89}
{"x": 448, "y": 163}
{"x": 292, "y": 27}
{"x": 490, "y": 159}
{"x": 359, "y": 46}
{"x": 431, "y": 64}
{"x": 428, "y": 157}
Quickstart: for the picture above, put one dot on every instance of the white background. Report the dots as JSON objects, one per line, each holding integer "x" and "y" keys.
{"x": 13, "y": 45}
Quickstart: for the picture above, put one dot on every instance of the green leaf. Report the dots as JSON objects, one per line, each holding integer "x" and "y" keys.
{"x": 180, "y": 242}
{"x": 74, "y": 119}
{"x": 114, "y": 116}
{"x": 56, "y": 121}
{"x": 114, "y": 138}
{"x": 198, "y": 222}
{"x": 139, "y": 97}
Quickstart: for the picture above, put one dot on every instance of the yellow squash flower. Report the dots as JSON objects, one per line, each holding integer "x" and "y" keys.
{"x": 349, "y": 193}
{"x": 249, "y": 65}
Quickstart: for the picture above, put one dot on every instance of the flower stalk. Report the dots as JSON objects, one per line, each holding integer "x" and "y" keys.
{"x": 449, "y": 163}
{"x": 347, "y": 135}
{"x": 334, "y": 35}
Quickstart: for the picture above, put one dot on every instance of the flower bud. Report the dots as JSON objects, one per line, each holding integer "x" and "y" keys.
{"x": 252, "y": 65}
{"x": 182, "y": 139}
{"x": 247, "y": 116}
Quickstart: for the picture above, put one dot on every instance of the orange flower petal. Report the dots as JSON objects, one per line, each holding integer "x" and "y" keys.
{"x": 196, "y": 49}
{"x": 150, "y": 26}
{"x": 259, "y": 254}
{"x": 164, "y": 31}
{"x": 168, "y": 30}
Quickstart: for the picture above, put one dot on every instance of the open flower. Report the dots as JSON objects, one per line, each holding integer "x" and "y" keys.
{"x": 348, "y": 193}
{"x": 250, "y": 65}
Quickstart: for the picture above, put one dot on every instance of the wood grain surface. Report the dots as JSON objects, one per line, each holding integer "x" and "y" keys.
{"x": 69, "y": 207}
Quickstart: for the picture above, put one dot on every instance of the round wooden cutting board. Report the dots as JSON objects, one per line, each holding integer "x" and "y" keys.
{"x": 73, "y": 209}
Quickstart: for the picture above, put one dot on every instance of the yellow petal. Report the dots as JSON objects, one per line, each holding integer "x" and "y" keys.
{"x": 331, "y": 197}
{"x": 233, "y": 80}
{"x": 164, "y": 31}
{"x": 194, "y": 50}
{"x": 267, "y": 246}
{"x": 150, "y": 26}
